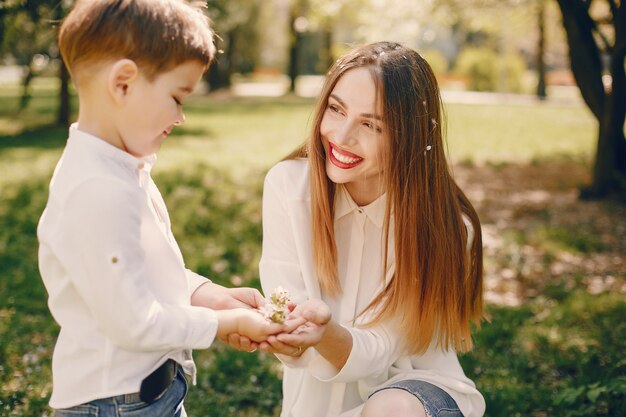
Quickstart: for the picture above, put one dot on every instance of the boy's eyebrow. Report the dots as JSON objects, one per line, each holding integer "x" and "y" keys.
{"x": 185, "y": 89}
{"x": 367, "y": 115}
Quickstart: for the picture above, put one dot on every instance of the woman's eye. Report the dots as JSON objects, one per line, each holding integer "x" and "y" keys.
{"x": 372, "y": 126}
{"x": 333, "y": 108}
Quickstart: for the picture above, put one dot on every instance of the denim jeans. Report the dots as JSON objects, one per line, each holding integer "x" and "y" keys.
{"x": 170, "y": 404}
{"x": 436, "y": 401}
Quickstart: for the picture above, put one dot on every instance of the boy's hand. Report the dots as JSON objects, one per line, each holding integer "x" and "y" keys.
{"x": 251, "y": 325}
{"x": 244, "y": 343}
{"x": 244, "y": 298}
{"x": 217, "y": 297}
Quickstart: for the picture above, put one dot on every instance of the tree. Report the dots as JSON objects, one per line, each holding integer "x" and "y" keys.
{"x": 541, "y": 48}
{"x": 297, "y": 25}
{"x": 28, "y": 35}
{"x": 237, "y": 40}
{"x": 597, "y": 48}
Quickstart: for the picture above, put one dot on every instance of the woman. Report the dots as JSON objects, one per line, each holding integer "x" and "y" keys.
{"x": 364, "y": 223}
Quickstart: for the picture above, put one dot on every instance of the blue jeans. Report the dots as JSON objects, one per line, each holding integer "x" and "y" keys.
{"x": 170, "y": 404}
{"x": 436, "y": 401}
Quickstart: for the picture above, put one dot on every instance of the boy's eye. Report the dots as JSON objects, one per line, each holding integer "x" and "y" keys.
{"x": 178, "y": 102}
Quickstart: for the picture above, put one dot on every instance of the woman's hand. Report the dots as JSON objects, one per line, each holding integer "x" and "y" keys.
{"x": 317, "y": 315}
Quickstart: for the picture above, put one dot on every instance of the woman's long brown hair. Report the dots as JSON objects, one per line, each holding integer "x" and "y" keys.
{"x": 436, "y": 291}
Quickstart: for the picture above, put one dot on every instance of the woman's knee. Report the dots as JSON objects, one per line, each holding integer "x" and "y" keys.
{"x": 393, "y": 403}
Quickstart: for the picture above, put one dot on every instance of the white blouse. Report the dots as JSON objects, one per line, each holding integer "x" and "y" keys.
{"x": 311, "y": 385}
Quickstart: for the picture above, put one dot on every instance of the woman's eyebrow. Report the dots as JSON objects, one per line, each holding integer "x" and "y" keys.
{"x": 367, "y": 115}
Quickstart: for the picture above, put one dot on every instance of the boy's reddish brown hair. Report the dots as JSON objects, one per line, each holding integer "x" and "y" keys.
{"x": 157, "y": 35}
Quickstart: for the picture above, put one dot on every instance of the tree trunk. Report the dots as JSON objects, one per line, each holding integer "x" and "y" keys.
{"x": 221, "y": 70}
{"x": 609, "y": 173}
{"x": 329, "y": 59}
{"x": 294, "y": 52}
{"x": 584, "y": 54}
{"x": 541, "y": 48}
{"x": 63, "y": 118}
{"x": 29, "y": 74}
{"x": 609, "y": 108}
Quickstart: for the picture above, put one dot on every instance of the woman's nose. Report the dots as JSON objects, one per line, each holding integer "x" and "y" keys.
{"x": 344, "y": 134}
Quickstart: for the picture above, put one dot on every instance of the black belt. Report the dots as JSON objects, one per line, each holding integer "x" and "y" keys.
{"x": 155, "y": 384}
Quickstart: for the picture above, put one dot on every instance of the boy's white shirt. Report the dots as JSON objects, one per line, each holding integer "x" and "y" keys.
{"x": 115, "y": 276}
{"x": 312, "y": 387}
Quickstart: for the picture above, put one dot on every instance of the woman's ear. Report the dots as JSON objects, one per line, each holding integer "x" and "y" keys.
{"x": 122, "y": 75}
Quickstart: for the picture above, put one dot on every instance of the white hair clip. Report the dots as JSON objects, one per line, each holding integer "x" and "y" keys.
{"x": 427, "y": 148}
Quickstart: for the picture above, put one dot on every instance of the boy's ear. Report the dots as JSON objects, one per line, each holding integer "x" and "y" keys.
{"x": 122, "y": 75}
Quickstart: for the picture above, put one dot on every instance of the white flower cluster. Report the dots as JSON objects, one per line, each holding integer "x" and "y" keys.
{"x": 276, "y": 309}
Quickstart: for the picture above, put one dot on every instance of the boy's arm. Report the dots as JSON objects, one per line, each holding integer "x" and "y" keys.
{"x": 100, "y": 244}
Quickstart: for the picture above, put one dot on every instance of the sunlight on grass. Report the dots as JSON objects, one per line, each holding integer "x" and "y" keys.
{"x": 238, "y": 135}
{"x": 243, "y": 135}
{"x": 560, "y": 353}
{"x": 505, "y": 133}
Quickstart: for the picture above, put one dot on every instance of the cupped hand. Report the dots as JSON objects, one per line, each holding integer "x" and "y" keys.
{"x": 241, "y": 342}
{"x": 317, "y": 315}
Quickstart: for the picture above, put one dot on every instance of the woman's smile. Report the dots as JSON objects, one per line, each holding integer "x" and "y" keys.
{"x": 343, "y": 159}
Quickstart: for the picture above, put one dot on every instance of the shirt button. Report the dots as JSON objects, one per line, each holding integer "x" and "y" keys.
{"x": 140, "y": 165}
{"x": 360, "y": 210}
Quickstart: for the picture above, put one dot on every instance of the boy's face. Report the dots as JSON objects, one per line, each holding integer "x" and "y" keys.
{"x": 155, "y": 107}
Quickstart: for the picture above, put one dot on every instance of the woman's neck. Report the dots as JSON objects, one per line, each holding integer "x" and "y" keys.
{"x": 363, "y": 195}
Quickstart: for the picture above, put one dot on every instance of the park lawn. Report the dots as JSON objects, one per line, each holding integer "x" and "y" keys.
{"x": 243, "y": 135}
{"x": 558, "y": 351}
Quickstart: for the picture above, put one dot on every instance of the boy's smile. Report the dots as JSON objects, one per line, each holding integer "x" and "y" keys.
{"x": 154, "y": 107}
{"x": 131, "y": 112}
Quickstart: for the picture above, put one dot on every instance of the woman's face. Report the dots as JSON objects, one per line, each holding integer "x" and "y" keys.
{"x": 353, "y": 136}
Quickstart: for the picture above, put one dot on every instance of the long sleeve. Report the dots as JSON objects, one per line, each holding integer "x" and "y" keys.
{"x": 102, "y": 222}
{"x": 280, "y": 265}
{"x": 194, "y": 281}
{"x": 378, "y": 347}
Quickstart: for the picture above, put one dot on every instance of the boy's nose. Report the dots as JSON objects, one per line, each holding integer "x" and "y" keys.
{"x": 180, "y": 119}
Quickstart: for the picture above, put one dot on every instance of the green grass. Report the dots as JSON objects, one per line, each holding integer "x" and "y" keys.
{"x": 510, "y": 133}
{"x": 560, "y": 354}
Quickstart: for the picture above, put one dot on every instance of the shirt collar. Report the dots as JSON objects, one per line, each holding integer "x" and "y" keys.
{"x": 81, "y": 139}
{"x": 344, "y": 205}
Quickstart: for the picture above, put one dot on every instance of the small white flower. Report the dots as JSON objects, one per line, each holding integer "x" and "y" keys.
{"x": 277, "y": 307}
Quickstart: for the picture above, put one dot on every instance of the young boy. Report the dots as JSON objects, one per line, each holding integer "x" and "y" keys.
{"x": 129, "y": 310}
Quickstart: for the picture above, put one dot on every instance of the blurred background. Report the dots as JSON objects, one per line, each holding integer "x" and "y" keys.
{"x": 535, "y": 99}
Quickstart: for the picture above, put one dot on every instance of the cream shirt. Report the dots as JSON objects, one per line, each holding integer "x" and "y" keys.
{"x": 312, "y": 387}
{"x": 116, "y": 280}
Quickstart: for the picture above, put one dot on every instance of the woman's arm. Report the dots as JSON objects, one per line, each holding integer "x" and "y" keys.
{"x": 345, "y": 353}
{"x": 330, "y": 339}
